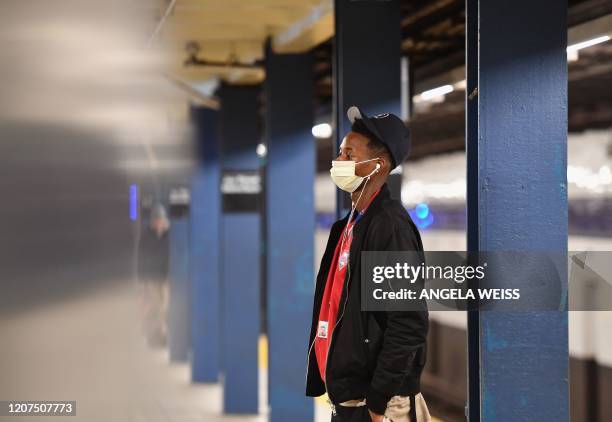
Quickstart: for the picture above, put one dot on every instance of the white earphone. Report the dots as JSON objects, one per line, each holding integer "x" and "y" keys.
{"x": 374, "y": 171}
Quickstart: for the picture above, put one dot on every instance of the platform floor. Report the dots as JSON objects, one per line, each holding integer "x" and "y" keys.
{"x": 91, "y": 350}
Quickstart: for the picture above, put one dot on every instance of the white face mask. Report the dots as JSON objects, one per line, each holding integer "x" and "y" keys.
{"x": 343, "y": 174}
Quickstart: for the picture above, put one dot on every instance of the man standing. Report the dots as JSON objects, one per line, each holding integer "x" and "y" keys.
{"x": 369, "y": 363}
{"x": 153, "y": 273}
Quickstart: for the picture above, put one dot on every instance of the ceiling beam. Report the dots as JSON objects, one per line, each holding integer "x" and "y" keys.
{"x": 590, "y": 30}
{"x": 587, "y": 10}
{"x": 195, "y": 95}
{"x": 254, "y": 17}
{"x": 240, "y": 5}
{"x": 311, "y": 30}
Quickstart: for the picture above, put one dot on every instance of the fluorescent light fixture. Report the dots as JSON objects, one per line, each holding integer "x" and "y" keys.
{"x": 588, "y": 43}
{"x": 322, "y": 131}
{"x": 572, "y": 50}
{"x": 461, "y": 85}
{"x": 572, "y": 55}
{"x": 436, "y": 92}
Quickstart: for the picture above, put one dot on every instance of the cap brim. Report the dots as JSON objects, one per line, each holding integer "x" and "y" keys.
{"x": 354, "y": 113}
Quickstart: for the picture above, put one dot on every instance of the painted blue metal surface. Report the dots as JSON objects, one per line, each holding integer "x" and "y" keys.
{"x": 367, "y": 68}
{"x": 290, "y": 231}
{"x": 240, "y": 268}
{"x": 179, "y": 310}
{"x": 518, "y": 148}
{"x": 240, "y": 255}
{"x": 205, "y": 219}
{"x": 473, "y": 211}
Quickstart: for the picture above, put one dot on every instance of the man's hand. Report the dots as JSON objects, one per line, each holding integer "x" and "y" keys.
{"x": 375, "y": 416}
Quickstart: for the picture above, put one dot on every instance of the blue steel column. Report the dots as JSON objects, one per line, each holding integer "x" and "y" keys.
{"x": 205, "y": 241}
{"x": 367, "y": 69}
{"x": 516, "y": 139}
{"x": 179, "y": 309}
{"x": 471, "y": 130}
{"x": 240, "y": 255}
{"x": 291, "y": 226}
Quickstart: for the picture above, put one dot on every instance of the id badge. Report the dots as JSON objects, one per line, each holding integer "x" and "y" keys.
{"x": 322, "y": 330}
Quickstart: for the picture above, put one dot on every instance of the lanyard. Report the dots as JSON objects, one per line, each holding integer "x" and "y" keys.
{"x": 349, "y": 226}
{"x": 361, "y": 213}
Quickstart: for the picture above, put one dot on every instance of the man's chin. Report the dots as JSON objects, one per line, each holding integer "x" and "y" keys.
{"x": 360, "y": 187}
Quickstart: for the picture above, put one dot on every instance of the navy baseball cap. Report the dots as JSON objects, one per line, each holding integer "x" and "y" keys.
{"x": 389, "y": 129}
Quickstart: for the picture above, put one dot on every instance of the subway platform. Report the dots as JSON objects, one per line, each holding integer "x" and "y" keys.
{"x": 90, "y": 349}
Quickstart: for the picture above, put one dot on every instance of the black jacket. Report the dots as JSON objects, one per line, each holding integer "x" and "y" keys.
{"x": 375, "y": 355}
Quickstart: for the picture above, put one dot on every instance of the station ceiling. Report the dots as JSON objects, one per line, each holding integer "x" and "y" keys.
{"x": 227, "y": 37}
{"x": 208, "y": 39}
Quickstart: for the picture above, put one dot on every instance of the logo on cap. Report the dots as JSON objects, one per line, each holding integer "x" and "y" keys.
{"x": 382, "y": 115}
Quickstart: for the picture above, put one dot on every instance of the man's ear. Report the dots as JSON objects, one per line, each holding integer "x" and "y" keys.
{"x": 383, "y": 164}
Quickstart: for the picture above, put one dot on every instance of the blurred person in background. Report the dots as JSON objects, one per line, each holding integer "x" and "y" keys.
{"x": 153, "y": 274}
{"x": 369, "y": 363}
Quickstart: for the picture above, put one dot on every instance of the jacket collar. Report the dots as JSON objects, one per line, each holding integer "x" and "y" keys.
{"x": 382, "y": 195}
